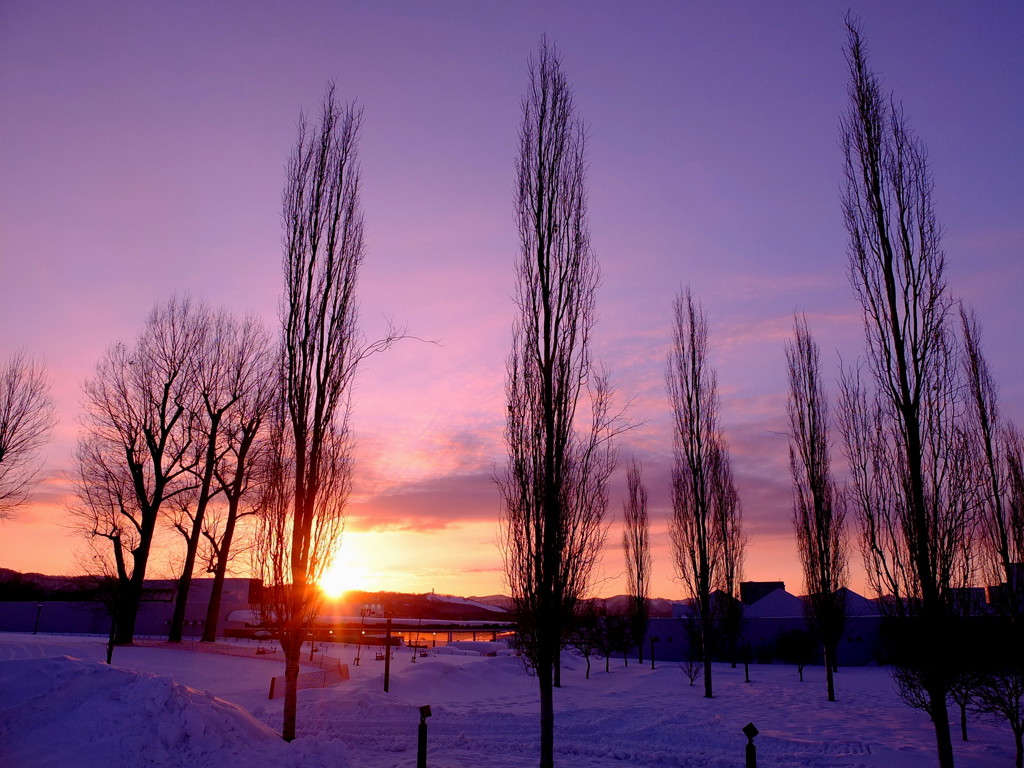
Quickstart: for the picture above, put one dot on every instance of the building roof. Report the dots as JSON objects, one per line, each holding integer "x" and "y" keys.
{"x": 775, "y": 605}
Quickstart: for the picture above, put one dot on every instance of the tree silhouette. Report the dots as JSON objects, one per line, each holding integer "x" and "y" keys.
{"x": 309, "y": 466}
{"x": 636, "y": 545}
{"x": 911, "y": 468}
{"x": 26, "y": 419}
{"x": 135, "y": 454}
{"x": 818, "y": 513}
{"x": 706, "y": 523}
{"x": 554, "y": 489}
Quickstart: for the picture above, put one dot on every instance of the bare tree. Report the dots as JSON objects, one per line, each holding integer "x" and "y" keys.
{"x": 729, "y": 521}
{"x": 997, "y": 688}
{"x": 706, "y": 524}
{"x": 229, "y": 373}
{"x": 238, "y": 473}
{"x": 308, "y": 484}
{"x": 26, "y": 419}
{"x": 588, "y": 631}
{"x": 691, "y": 668}
{"x": 554, "y": 489}
{"x": 291, "y": 552}
{"x": 135, "y": 454}
{"x": 909, "y": 456}
{"x": 636, "y": 546}
{"x": 1001, "y": 695}
{"x": 819, "y": 517}
{"x": 999, "y": 450}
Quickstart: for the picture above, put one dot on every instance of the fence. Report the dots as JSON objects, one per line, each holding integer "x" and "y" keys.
{"x": 331, "y": 671}
{"x": 224, "y": 649}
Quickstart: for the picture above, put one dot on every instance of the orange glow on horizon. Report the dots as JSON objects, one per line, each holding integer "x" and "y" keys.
{"x": 350, "y": 569}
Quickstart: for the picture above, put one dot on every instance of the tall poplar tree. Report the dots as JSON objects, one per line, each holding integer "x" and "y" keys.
{"x": 555, "y": 487}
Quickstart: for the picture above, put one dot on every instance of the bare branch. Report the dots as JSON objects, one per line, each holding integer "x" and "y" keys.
{"x": 913, "y": 478}
{"x": 819, "y": 516}
{"x": 26, "y": 420}
{"x": 636, "y": 547}
{"x": 706, "y": 523}
{"x": 554, "y": 488}
{"x": 308, "y": 462}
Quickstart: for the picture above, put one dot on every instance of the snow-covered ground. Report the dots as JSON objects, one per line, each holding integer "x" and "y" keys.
{"x": 60, "y": 706}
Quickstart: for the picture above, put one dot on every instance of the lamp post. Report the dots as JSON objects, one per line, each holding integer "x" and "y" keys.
{"x": 653, "y": 641}
{"x": 39, "y": 612}
{"x": 362, "y": 623}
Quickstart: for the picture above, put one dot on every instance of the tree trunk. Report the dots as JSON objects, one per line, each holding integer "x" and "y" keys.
{"x": 217, "y": 591}
{"x": 131, "y": 588}
{"x": 1018, "y": 736}
{"x": 216, "y": 595}
{"x": 963, "y": 721}
{"x": 291, "y": 688}
{"x": 940, "y": 718}
{"x": 547, "y": 716}
{"x": 224, "y": 551}
{"x": 184, "y": 585}
{"x": 830, "y": 681}
{"x": 705, "y": 646}
{"x": 127, "y": 611}
{"x": 192, "y": 541}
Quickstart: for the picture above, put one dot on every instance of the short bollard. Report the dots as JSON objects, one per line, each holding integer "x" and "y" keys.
{"x": 421, "y": 750}
{"x": 750, "y": 732}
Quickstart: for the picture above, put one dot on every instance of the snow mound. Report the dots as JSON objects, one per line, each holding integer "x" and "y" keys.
{"x": 453, "y": 650}
{"x": 482, "y": 647}
{"x": 64, "y": 711}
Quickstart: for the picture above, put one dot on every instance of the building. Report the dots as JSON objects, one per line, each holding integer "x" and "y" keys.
{"x": 85, "y": 616}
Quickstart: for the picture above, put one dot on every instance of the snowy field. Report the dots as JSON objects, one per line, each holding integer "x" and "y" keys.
{"x": 61, "y": 707}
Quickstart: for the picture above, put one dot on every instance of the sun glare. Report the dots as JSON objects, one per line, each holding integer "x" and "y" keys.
{"x": 348, "y": 572}
{"x": 336, "y": 581}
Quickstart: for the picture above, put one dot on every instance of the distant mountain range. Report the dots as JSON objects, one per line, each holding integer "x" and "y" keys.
{"x": 15, "y": 586}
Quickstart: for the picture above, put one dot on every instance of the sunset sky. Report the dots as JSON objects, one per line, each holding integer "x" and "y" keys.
{"x": 142, "y": 151}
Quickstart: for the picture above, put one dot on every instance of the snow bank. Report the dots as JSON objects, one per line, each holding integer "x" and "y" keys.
{"x": 482, "y": 647}
{"x": 452, "y": 650}
{"x": 82, "y": 714}
{"x": 59, "y": 712}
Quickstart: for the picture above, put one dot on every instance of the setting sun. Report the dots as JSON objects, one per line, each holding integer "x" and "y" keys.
{"x": 348, "y": 571}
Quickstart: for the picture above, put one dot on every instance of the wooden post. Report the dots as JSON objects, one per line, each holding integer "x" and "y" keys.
{"x": 750, "y": 731}
{"x": 387, "y": 655}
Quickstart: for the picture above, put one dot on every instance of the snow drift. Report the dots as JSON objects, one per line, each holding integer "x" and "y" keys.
{"x": 59, "y": 712}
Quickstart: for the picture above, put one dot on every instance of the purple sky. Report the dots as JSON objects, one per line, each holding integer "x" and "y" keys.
{"x": 142, "y": 148}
